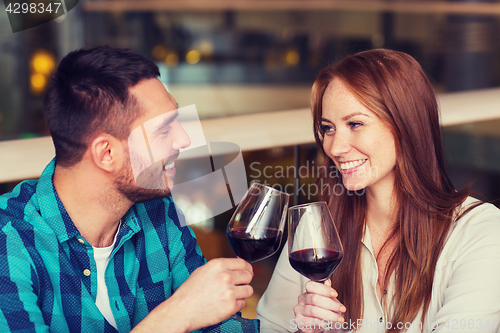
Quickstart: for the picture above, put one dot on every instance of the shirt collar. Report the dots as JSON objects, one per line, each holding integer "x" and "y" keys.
{"x": 367, "y": 239}
{"x": 130, "y": 219}
{"x": 51, "y": 208}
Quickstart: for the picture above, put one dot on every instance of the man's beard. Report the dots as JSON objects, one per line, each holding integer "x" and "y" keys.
{"x": 150, "y": 184}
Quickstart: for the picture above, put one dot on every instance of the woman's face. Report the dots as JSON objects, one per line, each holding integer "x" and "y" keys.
{"x": 358, "y": 142}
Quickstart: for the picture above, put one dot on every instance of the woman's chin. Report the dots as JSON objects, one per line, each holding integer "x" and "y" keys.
{"x": 354, "y": 187}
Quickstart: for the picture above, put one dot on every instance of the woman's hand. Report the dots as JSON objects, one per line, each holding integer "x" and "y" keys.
{"x": 318, "y": 307}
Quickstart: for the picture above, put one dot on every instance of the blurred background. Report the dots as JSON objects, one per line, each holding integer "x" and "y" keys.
{"x": 232, "y": 58}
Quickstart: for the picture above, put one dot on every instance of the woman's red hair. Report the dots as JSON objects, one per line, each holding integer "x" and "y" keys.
{"x": 394, "y": 86}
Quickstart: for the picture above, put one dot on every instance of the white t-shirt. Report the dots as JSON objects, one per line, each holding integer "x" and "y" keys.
{"x": 465, "y": 292}
{"x": 101, "y": 257}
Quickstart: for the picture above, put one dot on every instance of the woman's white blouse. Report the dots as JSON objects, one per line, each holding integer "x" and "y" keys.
{"x": 465, "y": 291}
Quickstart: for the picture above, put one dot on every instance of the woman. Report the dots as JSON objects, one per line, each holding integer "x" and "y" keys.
{"x": 419, "y": 256}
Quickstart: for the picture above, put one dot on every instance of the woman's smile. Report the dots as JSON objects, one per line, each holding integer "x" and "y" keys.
{"x": 351, "y": 166}
{"x": 361, "y": 145}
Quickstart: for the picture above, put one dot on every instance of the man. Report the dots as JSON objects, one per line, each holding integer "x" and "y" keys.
{"x": 85, "y": 248}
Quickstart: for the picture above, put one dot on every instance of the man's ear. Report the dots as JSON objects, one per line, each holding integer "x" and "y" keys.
{"x": 107, "y": 152}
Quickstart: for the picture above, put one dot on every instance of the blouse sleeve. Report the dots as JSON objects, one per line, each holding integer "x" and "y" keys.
{"x": 275, "y": 308}
{"x": 470, "y": 292}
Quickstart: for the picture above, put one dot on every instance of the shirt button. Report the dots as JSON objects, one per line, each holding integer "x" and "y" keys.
{"x": 381, "y": 319}
{"x": 81, "y": 241}
{"x": 86, "y": 272}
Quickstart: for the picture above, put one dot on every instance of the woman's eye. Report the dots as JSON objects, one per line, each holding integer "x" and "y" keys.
{"x": 326, "y": 129}
{"x": 354, "y": 124}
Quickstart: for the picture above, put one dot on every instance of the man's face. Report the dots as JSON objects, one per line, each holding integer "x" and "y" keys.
{"x": 153, "y": 144}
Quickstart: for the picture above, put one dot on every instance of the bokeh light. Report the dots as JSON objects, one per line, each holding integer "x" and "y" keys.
{"x": 193, "y": 57}
{"x": 292, "y": 58}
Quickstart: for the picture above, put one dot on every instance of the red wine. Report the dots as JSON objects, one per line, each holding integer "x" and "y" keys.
{"x": 318, "y": 267}
{"x": 253, "y": 249}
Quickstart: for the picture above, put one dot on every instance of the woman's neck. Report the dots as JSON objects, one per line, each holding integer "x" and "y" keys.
{"x": 381, "y": 208}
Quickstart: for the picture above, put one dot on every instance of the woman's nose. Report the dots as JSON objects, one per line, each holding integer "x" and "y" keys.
{"x": 339, "y": 145}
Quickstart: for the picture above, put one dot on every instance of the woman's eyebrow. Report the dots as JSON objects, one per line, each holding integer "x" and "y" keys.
{"x": 354, "y": 114}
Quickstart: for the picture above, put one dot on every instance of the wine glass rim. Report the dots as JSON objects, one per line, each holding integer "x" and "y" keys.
{"x": 270, "y": 188}
{"x": 316, "y": 203}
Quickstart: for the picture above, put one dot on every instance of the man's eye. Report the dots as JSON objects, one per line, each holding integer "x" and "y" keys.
{"x": 165, "y": 130}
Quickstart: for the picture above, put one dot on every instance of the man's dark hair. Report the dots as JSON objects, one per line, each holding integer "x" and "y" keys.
{"x": 89, "y": 95}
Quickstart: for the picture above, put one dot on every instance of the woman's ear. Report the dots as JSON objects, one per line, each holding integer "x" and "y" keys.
{"x": 107, "y": 153}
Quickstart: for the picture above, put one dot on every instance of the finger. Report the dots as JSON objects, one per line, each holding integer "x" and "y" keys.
{"x": 321, "y": 314}
{"x": 321, "y": 289}
{"x": 327, "y": 303}
{"x": 342, "y": 307}
{"x": 236, "y": 264}
{"x": 240, "y": 304}
{"x": 242, "y": 292}
{"x": 240, "y": 277}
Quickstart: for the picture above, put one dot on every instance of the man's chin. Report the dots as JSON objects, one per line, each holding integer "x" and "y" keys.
{"x": 153, "y": 190}
{"x": 137, "y": 191}
{"x": 154, "y": 182}
{"x": 169, "y": 181}
{"x": 138, "y": 194}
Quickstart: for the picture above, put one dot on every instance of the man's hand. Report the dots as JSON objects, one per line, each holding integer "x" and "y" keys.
{"x": 213, "y": 293}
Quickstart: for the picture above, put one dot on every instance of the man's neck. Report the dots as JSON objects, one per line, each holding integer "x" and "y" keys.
{"x": 92, "y": 203}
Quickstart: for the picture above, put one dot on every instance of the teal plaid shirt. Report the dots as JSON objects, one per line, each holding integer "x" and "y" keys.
{"x": 44, "y": 265}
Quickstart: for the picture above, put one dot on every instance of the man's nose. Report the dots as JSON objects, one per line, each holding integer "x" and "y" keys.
{"x": 181, "y": 139}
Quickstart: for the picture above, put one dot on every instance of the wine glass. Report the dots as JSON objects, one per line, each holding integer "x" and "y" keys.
{"x": 257, "y": 225}
{"x": 314, "y": 246}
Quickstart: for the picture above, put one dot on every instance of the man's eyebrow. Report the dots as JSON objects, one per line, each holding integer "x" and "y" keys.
{"x": 167, "y": 120}
{"x": 353, "y": 115}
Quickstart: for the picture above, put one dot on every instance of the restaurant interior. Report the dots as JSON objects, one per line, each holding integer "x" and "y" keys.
{"x": 248, "y": 66}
